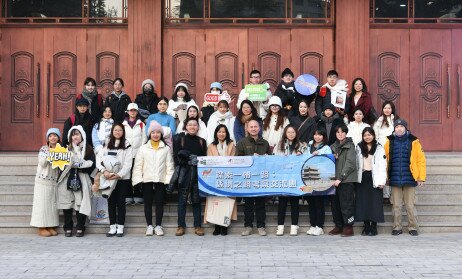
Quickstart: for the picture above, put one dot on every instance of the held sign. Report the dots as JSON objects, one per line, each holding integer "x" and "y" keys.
{"x": 214, "y": 98}
{"x": 257, "y": 92}
{"x": 59, "y": 157}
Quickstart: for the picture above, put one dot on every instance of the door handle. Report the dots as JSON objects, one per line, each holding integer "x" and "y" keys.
{"x": 242, "y": 76}
{"x": 37, "y": 94}
{"x": 48, "y": 90}
{"x": 458, "y": 91}
{"x": 448, "y": 93}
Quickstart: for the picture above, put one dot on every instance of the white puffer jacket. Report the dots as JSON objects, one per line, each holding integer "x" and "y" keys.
{"x": 383, "y": 131}
{"x": 136, "y": 136}
{"x": 124, "y": 156}
{"x": 153, "y": 165}
{"x": 379, "y": 166}
{"x": 355, "y": 131}
{"x": 274, "y": 136}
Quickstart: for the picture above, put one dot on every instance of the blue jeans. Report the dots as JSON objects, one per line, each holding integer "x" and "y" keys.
{"x": 182, "y": 202}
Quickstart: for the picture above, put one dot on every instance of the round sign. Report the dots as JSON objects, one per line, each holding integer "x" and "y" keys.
{"x": 306, "y": 84}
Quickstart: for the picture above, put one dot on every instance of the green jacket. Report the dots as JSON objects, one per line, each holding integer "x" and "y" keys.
{"x": 248, "y": 147}
{"x": 346, "y": 168}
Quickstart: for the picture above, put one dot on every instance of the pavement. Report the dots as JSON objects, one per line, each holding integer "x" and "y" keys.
{"x": 232, "y": 256}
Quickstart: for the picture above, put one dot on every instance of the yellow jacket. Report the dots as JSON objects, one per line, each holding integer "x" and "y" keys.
{"x": 418, "y": 164}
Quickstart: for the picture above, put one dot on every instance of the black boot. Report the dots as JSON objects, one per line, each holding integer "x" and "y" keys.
{"x": 367, "y": 228}
{"x": 217, "y": 230}
{"x": 373, "y": 230}
{"x": 224, "y": 230}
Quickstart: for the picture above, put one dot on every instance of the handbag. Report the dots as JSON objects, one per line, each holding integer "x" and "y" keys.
{"x": 73, "y": 181}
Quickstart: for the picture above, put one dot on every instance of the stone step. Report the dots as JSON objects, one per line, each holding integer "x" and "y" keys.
{"x": 234, "y": 229}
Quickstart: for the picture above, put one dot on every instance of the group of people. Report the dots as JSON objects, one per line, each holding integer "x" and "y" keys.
{"x": 137, "y": 152}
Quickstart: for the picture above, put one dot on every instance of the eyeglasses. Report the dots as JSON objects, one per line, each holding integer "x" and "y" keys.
{"x": 255, "y": 77}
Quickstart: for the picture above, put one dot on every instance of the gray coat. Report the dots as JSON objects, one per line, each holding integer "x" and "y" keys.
{"x": 346, "y": 168}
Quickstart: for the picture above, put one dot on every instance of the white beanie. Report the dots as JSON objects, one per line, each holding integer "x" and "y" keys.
{"x": 181, "y": 84}
{"x": 275, "y": 100}
{"x": 148, "y": 81}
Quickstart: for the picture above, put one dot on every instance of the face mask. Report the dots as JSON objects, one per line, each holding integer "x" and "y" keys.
{"x": 147, "y": 91}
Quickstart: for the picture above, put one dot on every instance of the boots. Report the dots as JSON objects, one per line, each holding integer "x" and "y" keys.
{"x": 44, "y": 232}
{"x": 347, "y": 231}
{"x": 224, "y": 231}
{"x": 52, "y": 231}
{"x": 336, "y": 231}
{"x": 373, "y": 230}
{"x": 367, "y": 228}
{"x": 217, "y": 230}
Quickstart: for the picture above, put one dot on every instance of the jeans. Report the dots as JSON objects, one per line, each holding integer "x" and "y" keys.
{"x": 294, "y": 209}
{"x": 257, "y": 203}
{"x": 153, "y": 192}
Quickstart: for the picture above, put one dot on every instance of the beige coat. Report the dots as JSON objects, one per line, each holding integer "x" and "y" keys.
{"x": 153, "y": 165}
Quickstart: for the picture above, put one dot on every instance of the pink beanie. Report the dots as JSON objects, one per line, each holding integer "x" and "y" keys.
{"x": 154, "y": 126}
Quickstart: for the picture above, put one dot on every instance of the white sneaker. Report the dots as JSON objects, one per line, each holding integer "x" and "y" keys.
{"x": 112, "y": 230}
{"x": 159, "y": 231}
{"x": 120, "y": 230}
{"x": 149, "y": 230}
{"x": 311, "y": 230}
{"x": 293, "y": 230}
{"x": 318, "y": 231}
{"x": 280, "y": 230}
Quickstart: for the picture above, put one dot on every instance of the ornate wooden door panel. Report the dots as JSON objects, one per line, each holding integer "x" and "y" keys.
{"x": 226, "y": 61}
{"x": 65, "y": 54}
{"x": 430, "y": 58}
{"x": 184, "y": 61}
{"x": 21, "y": 103}
{"x": 456, "y": 97}
{"x": 389, "y": 71}
{"x": 269, "y": 52}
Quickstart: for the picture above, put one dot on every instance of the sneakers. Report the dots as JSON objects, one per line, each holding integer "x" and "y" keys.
{"x": 262, "y": 231}
{"x": 336, "y": 231}
{"x": 317, "y": 231}
{"x": 159, "y": 230}
{"x": 199, "y": 231}
{"x": 247, "y": 231}
{"x": 112, "y": 230}
{"x": 279, "y": 230}
{"x": 293, "y": 230}
{"x": 79, "y": 233}
{"x": 347, "y": 231}
{"x": 120, "y": 230}
{"x": 413, "y": 233}
{"x": 180, "y": 231}
{"x": 67, "y": 233}
{"x": 310, "y": 231}
{"x": 149, "y": 230}
{"x": 396, "y": 232}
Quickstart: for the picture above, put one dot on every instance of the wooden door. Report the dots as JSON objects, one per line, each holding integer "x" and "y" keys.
{"x": 226, "y": 61}
{"x": 269, "y": 52}
{"x": 389, "y": 69}
{"x": 22, "y": 107}
{"x": 184, "y": 55}
{"x": 430, "y": 57}
{"x": 456, "y": 97}
{"x": 65, "y": 57}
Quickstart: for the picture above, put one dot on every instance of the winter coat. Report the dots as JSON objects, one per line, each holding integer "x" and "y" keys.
{"x": 415, "y": 153}
{"x": 272, "y": 135}
{"x": 136, "y": 136}
{"x": 290, "y": 149}
{"x": 248, "y": 146}
{"x": 346, "y": 168}
{"x": 217, "y": 118}
{"x": 147, "y": 104}
{"x": 212, "y": 149}
{"x": 365, "y": 104}
{"x": 118, "y": 105}
{"x": 382, "y": 131}
{"x": 289, "y": 96}
{"x": 96, "y": 106}
{"x": 305, "y": 126}
{"x": 164, "y": 120}
{"x": 153, "y": 165}
{"x": 239, "y": 129}
{"x": 100, "y": 137}
{"x": 124, "y": 156}
{"x": 355, "y": 131}
{"x": 321, "y": 122}
{"x": 322, "y": 149}
{"x": 83, "y": 161}
{"x": 379, "y": 166}
{"x": 202, "y": 129}
{"x": 75, "y": 119}
{"x": 262, "y": 107}
{"x": 321, "y": 101}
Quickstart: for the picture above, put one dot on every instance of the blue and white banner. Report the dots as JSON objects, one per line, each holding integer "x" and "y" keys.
{"x": 252, "y": 176}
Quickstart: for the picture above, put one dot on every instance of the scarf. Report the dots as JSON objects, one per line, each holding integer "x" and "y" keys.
{"x": 104, "y": 129}
{"x": 89, "y": 96}
{"x": 340, "y": 86}
{"x": 222, "y": 149}
{"x": 222, "y": 117}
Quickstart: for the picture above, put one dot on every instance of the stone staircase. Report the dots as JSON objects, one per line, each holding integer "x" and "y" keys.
{"x": 439, "y": 202}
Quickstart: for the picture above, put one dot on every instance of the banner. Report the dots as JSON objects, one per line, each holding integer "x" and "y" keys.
{"x": 257, "y": 92}
{"x": 252, "y": 176}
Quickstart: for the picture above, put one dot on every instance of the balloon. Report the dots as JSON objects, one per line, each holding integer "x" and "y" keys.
{"x": 306, "y": 84}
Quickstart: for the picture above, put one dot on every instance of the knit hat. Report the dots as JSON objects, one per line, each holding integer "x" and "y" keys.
{"x": 329, "y": 106}
{"x": 154, "y": 126}
{"x": 148, "y": 81}
{"x": 181, "y": 84}
{"x": 287, "y": 71}
{"x": 132, "y": 106}
{"x": 53, "y": 131}
{"x": 82, "y": 102}
{"x": 400, "y": 122}
{"x": 275, "y": 100}
{"x": 216, "y": 85}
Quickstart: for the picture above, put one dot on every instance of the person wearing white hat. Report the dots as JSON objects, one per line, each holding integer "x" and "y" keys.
{"x": 180, "y": 101}
{"x": 147, "y": 100}
{"x": 135, "y": 134}
{"x": 45, "y": 214}
{"x": 274, "y": 122}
